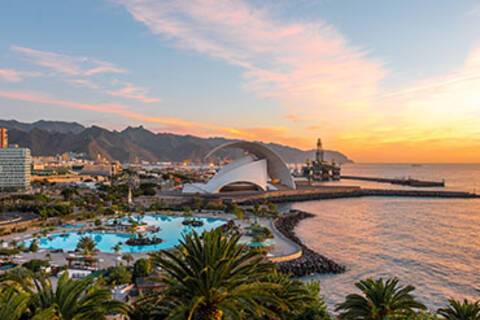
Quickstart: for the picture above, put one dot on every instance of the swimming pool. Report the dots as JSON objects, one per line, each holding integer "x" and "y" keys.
{"x": 171, "y": 231}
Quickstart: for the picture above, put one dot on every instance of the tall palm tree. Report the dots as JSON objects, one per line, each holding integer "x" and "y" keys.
{"x": 457, "y": 310}
{"x": 70, "y": 300}
{"x": 380, "y": 300}
{"x": 299, "y": 300}
{"x": 116, "y": 249}
{"x": 87, "y": 246}
{"x": 212, "y": 277}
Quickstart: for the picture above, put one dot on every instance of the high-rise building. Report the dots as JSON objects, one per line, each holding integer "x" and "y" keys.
{"x": 3, "y": 138}
{"x": 15, "y": 168}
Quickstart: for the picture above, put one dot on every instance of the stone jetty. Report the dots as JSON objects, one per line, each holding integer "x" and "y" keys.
{"x": 402, "y": 181}
{"x": 310, "y": 262}
{"x": 327, "y": 192}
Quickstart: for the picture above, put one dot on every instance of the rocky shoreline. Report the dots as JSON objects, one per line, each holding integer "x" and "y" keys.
{"x": 310, "y": 262}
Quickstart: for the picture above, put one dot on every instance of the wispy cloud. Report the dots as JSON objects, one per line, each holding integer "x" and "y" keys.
{"x": 302, "y": 64}
{"x": 66, "y": 64}
{"x": 79, "y": 72}
{"x": 84, "y": 83}
{"x": 10, "y": 75}
{"x": 130, "y": 91}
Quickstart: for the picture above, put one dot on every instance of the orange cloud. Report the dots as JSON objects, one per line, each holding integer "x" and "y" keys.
{"x": 432, "y": 120}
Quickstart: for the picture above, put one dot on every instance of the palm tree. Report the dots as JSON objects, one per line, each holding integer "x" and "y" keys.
{"x": 298, "y": 299}
{"x": 128, "y": 258}
{"x": 12, "y": 304}
{"x": 213, "y": 277}
{"x": 87, "y": 246}
{"x": 457, "y": 310}
{"x": 116, "y": 249}
{"x": 380, "y": 300}
{"x": 71, "y": 300}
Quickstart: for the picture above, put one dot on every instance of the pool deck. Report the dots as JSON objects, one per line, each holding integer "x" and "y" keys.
{"x": 282, "y": 246}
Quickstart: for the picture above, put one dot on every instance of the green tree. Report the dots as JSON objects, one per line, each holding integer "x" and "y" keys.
{"x": 142, "y": 268}
{"x": 33, "y": 246}
{"x": 36, "y": 265}
{"x": 128, "y": 258}
{"x": 214, "y": 277}
{"x": 118, "y": 275}
{"x": 70, "y": 300}
{"x": 238, "y": 212}
{"x": 457, "y": 310}
{"x": 299, "y": 300}
{"x": 198, "y": 203}
{"x": 68, "y": 193}
{"x": 380, "y": 300}
{"x": 87, "y": 246}
{"x": 12, "y": 304}
{"x": 117, "y": 248}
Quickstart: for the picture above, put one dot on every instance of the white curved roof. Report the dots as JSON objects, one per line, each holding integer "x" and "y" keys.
{"x": 246, "y": 170}
{"x": 276, "y": 167}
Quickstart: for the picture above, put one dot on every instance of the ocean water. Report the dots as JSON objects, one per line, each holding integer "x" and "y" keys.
{"x": 433, "y": 244}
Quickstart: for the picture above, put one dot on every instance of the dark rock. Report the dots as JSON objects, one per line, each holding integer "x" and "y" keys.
{"x": 310, "y": 262}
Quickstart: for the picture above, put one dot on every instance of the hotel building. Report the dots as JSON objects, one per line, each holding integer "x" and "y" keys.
{"x": 15, "y": 165}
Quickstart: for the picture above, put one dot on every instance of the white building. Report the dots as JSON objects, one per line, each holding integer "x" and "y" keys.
{"x": 261, "y": 168}
{"x": 15, "y": 168}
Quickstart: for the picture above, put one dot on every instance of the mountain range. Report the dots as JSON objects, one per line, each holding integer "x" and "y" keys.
{"x": 47, "y": 138}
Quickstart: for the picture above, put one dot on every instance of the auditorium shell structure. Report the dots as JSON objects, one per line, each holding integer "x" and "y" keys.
{"x": 261, "y": 168}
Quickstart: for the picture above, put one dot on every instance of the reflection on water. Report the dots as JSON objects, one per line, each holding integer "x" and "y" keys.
{"x": 433, "y": 244}
{"x": 458, "y": 177}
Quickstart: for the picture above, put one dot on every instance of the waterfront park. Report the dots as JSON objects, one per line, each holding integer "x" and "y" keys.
{"x": 77, "y": 253}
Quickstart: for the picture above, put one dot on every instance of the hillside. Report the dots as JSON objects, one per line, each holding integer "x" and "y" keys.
{"x": 130, "y": 145}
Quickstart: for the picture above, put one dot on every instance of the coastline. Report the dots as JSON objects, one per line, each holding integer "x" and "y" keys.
{"x": 310, "y": 262}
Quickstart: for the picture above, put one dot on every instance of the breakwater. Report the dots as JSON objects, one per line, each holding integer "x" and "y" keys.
{"x": 403, "y": 182}
{"x": 320, "y": 193}
{"x": 310, "y": 262}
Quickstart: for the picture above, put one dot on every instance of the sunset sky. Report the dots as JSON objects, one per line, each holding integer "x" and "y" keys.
{"x": 381, "y": 81}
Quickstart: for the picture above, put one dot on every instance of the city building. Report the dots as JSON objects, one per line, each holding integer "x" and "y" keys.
{"x": 3, "y": 138}
{"x": 15, "y": 168}
{"x": 260, "y": 169}
{"x": 106, "y": 169}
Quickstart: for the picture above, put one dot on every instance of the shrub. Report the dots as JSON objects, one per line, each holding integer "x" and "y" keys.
{"x": 36, "y": 265}
{"x": 33, "y": 246}
{"x": 118, "y": 275}
{"x": 142, "y": 268}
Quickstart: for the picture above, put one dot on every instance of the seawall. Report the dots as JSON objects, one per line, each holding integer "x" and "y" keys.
{"x": 348, "y": 192}
{"x": 309, "y": 262}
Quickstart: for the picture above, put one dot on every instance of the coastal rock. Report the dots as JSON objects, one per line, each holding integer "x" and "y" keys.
{"x": 310, "y": 262}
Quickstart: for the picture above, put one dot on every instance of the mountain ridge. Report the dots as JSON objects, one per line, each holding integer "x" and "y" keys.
{"x": 132, "y": 144}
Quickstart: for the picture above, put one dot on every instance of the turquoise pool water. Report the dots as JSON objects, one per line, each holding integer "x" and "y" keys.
{"x": 171, "y": 231}
{"x": 7, "y": 266}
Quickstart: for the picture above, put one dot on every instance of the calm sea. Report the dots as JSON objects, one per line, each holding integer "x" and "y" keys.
{"x": 433, "y": 244}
